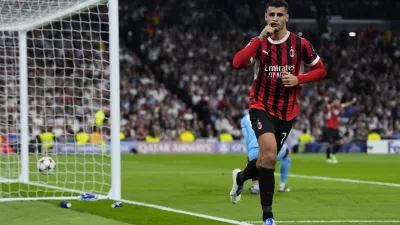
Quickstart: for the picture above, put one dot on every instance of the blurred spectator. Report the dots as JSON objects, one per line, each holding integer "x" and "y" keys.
{"x": 198, "y": 58}
{"x": 176, "y": 73}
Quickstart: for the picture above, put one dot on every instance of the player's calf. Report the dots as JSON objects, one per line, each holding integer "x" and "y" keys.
{"x": 337, "y": 147}
{"x": 248, "y": 173}
{"x": 328, "y": 151}
{"x": 266, "y": 162}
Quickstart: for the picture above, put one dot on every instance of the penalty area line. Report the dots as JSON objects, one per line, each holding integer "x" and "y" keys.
{"x": 159, "y": 207}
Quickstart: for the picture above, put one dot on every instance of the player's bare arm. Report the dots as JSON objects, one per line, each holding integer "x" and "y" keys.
{"x": 326, "y": 105}
{"x": 326, "y": 108}
{"x": 350, "y": 103}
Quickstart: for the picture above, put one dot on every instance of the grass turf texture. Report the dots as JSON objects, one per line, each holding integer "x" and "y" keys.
{"x": 201, "y": 184}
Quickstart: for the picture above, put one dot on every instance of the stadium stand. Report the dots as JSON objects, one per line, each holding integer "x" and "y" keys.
{"x": 193, "y": 58}
{"x": 176, "y": 72}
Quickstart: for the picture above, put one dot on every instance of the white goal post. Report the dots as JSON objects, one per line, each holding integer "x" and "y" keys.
{"x": 59, "y": 67}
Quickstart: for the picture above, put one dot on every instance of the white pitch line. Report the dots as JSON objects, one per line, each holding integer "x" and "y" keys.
{"x": 256, "y": 222}
{"x": 331, "y": 221}
{"x": 277, "y": 174}
{"x": 345, "y": 180}
{"x": 185, "y": 212}
{"x": 187, "y": 172}
{"x": 259, "y": 222}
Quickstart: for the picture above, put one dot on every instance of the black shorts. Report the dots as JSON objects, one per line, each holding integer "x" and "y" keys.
{"x": 262, "y": 122}
{"x": 331, "y": 135}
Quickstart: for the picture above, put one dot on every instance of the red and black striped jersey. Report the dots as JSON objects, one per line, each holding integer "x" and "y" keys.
{"x": 271, "y": 59}
{"x": 332, "y": 116}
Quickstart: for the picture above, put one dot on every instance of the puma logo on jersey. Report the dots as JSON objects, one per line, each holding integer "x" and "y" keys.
{"x": 266, "y": 52}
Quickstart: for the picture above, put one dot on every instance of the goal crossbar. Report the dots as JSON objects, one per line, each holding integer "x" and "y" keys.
{"x": 43, "y": 20}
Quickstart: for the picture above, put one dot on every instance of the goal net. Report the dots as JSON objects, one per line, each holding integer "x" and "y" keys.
{"x": 55, "y": 58}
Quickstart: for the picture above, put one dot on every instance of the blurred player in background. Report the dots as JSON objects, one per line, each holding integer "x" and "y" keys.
{"x": 278, "y": 57}
{"x": 331, "y": 131}
{"x": 252, "y": 153}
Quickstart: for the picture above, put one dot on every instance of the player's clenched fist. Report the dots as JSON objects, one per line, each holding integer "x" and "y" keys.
{"x": 266, "y": 32}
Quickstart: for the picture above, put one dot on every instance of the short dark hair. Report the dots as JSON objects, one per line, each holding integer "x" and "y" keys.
{"x": 277, "y": 4}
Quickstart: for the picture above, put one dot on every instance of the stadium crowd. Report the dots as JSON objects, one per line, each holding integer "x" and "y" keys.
{"x": 176, "y": 74}
{"x": 193, "y": 44}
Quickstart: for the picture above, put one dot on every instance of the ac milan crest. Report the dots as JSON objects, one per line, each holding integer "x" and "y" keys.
{"x": 291, "y": 52}
{"x": 259, "y": 125}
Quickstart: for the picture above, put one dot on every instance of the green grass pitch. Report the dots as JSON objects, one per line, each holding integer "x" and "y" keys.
{"x": 201, "y": 184}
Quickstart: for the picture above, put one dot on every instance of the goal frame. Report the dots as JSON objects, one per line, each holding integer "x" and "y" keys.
{"x": 115, "y": 153}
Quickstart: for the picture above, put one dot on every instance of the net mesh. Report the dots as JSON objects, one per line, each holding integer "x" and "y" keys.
{"x": 68, "y": 90}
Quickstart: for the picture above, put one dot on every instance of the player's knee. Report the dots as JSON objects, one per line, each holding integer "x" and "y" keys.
{"x": 268, "y": 151}
{"x": 341, "y": 142}
{"x": 270, "y": 159}
{"x": 267, "y": 160}
{"x": 267, "y": 143}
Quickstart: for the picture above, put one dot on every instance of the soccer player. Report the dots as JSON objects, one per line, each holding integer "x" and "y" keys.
{"x": 278, "y": 56}
{"x": 331, "y": 132}
{"x": 252, "y": 153}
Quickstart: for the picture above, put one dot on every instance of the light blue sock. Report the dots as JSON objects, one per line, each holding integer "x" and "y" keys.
{"x": 285, "y": 167}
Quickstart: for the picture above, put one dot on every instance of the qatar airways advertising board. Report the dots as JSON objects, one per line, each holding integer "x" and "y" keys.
{"x": 383, "y": 147}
